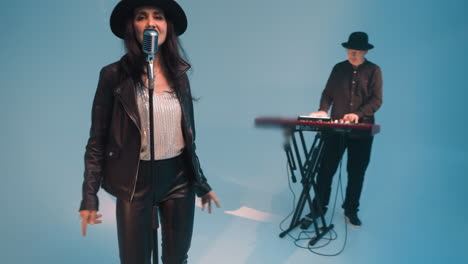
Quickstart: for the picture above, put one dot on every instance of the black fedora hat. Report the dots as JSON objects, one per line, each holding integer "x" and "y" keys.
{"x": 124, "y": 9}
{"x": 358, "y": 41}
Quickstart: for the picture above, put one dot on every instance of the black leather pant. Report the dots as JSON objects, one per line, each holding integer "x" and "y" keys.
{"x": 172, "y": 192}
{"x": 359, "y": 150}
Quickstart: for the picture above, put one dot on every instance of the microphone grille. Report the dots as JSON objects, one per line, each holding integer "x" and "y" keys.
{"x": 150, "y": 41}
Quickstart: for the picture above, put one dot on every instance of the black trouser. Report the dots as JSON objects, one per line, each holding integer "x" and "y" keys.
{"x": 359, "y": 150}
{"x": 173, "y": 193}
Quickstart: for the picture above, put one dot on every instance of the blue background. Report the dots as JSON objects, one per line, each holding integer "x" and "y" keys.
{"x": 250, "y": 58}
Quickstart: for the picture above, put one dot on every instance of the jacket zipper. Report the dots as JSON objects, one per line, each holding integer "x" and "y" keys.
{"x": 190, "y": 132}
{"x": 139, "y": 130}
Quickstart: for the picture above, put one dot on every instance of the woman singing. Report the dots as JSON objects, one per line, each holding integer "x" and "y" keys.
{"x": 118, "y": 153}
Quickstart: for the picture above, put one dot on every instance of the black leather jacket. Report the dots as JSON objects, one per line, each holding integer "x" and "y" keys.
{"x": 113, "y": 150}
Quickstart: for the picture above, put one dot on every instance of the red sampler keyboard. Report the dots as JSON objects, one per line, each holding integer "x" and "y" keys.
{"x": 311, "y": 124}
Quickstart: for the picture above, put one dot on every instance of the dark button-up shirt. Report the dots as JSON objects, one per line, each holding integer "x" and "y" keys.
{"x": 355, "y": 90}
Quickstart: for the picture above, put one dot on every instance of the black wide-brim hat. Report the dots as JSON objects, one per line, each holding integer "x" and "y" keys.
{"x": 358, "y": 41}
{"x": 124, "y": 10}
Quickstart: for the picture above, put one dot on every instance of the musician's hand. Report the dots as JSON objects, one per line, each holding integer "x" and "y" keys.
{"x": 207, "y": 198}
{"x": 353, "y": 118}
{"x": 89, "y": 217}
{"x": 319, "y": 114}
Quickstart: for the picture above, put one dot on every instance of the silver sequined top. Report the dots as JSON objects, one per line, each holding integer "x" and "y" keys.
{"x": 168, "y": 139}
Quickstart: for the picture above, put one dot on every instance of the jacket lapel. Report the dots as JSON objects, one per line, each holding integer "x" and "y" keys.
{"x": 126, "y": 93}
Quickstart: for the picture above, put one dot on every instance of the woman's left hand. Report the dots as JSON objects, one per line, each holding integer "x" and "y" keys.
{"x": 207, "y": 198}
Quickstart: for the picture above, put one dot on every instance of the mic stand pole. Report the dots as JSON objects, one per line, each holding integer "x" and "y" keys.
{"x": 155, "y": 222}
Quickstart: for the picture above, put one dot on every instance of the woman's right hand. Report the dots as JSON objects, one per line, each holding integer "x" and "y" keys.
{"x": 89, "y": 217}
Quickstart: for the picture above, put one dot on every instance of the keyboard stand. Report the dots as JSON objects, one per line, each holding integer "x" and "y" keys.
{"x": 308, "y": 170}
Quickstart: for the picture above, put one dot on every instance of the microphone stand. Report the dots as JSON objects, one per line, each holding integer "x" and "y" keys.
{"x": 155, "y": 222}
{"x": 150, "y": 71}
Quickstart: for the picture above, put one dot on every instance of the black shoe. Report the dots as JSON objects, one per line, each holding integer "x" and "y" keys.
{"x": 353, "y": 219}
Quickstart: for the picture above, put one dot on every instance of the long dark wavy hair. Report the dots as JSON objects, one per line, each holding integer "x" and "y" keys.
{"x": 172, "y": 57}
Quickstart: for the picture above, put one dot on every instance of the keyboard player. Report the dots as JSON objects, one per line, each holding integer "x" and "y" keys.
{"x": 354, "y": 94}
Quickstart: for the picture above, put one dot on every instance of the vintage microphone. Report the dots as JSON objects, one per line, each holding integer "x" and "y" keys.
{"x": 150, "y": 48}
